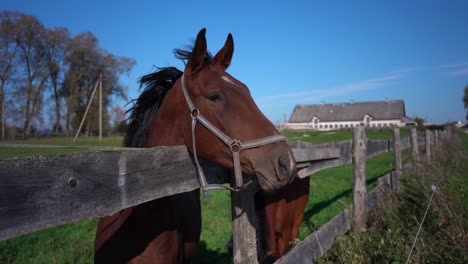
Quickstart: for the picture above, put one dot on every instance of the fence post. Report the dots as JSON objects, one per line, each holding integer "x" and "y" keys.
{"x": 436, "y": 138}
{"x": 414, "y": 143}
{"x": 428, "y": 144}
{"x": 398, "y": 165}
{"x": 243, "y": 225}
{"x": 359, "y": 177}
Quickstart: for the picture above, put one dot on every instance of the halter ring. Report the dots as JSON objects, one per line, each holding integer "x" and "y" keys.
{"x": 195, "y": 112}
{"x": 235, "y": 146}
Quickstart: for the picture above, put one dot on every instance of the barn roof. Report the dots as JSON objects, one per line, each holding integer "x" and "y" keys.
{"x": 379, "y": 110}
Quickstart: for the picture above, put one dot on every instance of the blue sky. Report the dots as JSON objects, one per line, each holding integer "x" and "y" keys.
{"x": 293, "y": 52}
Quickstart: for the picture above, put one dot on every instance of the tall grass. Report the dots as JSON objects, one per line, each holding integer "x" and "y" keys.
{"x": 393, "y": 224}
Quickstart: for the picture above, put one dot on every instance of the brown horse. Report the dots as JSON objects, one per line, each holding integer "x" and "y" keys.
{"x": 279, "y": 216}
{"x": 167, "y": 230}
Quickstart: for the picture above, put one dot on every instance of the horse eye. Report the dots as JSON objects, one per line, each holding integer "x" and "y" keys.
{"x": 215, "y": 97}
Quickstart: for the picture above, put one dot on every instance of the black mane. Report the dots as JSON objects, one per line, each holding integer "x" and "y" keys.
{"x": 156, "y": 85}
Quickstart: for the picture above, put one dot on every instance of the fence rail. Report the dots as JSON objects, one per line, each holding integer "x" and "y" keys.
{"x": 40, "y": 192}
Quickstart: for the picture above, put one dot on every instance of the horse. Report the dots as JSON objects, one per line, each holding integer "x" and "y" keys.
{"x": 203, "y": 108}
{"x": 279, "y": 216}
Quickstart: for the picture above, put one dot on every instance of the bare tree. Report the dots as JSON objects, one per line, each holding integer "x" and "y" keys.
{"x": 31, "y": 43}
{"x": 40, "y": 59}
{"x": 8, "y": 51}
{"x": 56, "y": 49}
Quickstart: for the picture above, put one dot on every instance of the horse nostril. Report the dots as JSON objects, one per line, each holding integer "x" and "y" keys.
{"x": 282, "y": 168}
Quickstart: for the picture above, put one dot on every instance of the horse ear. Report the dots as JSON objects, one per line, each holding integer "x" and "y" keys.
{"x": 224, "y": 55}
{"x": 198, "y": 53}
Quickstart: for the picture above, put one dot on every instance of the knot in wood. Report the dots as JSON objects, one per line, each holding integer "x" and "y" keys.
{"x": 72, "y": 182}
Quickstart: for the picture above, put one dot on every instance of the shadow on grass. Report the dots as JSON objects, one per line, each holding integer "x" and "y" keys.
{"x": 322, "y": 205}
{"x": 205, "y": 255}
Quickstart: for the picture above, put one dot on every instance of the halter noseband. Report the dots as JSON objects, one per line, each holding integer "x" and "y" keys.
{"x": 234, "y": 145}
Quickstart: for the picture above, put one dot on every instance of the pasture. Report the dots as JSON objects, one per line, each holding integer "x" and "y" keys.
{"x": 331, "y": 192}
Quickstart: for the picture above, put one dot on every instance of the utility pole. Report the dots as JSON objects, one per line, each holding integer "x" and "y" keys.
{"x": 86, "y": 111}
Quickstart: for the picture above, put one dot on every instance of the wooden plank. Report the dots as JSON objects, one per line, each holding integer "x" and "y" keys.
{"x": 428, "y": 144}
{"x": 316, "y": 244}
{"x": 243, "y": 225}
{"x": 322, "y": 156}
{"x": 315, "y": 166}
{"x": 414, "y": 143}
{"x": 436, "y": 139}
{"x": 39, "y": 192}
{"x": 330, "y": 155}
{"x": 377, "y": 146}
{"x": 313, "y": 153}
{"x": 359, "y": 177}
{"x": 398, "y": 164}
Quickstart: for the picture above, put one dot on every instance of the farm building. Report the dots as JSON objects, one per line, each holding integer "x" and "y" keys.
{"x": 390, "y": 113}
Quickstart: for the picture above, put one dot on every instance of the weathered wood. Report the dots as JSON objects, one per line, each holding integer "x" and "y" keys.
{"x": 318, "y": 165}
{"x": 327, "y": 155}
{"x": 405, "y": 143}
{"x": 316, "y": 244}
{"x": 376, "y": 147}
{"x": 243, "y": 225}
{"x": 398, "y": 164}
{"x": 313, "y": 153}
{"x": 359, "y": 177}
{"x": 414, "y": 143}
{"x": 428, "y": 144}
{"x": 39, "y": 192}
{"x": 335, "y": 154}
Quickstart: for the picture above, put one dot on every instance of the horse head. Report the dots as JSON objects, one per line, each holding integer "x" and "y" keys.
{"x": 227, "y": 106}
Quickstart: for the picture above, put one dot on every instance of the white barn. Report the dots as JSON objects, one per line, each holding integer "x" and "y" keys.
{"x": 345, "y": 115}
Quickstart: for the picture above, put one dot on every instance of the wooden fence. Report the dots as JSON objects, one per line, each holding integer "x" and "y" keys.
{"x": 315, "y": 245}
{"x": 40, "y": 192}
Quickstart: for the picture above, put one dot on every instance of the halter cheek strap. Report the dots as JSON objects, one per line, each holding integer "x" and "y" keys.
{"x": 234, "y": 145}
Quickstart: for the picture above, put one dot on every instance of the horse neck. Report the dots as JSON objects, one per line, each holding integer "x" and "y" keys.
{"x": 170, "y": 121}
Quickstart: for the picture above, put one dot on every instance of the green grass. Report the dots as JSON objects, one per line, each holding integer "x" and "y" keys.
{"x": 70, "y": 243}
{"x": 464, "y": 141}
{"x": 331, "y": 192}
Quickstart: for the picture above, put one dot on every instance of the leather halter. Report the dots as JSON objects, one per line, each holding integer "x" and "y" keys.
{"x": 234, "y": 145}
